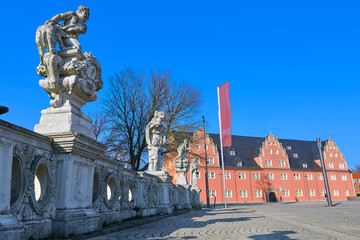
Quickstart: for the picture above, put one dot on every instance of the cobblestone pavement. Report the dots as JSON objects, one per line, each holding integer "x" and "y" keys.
{"x": 255, "y": 221}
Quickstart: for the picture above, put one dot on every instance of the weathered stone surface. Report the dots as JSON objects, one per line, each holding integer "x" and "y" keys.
{"x": 181, "y": 163}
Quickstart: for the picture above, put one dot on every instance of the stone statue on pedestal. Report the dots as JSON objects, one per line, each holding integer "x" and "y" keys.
{"x": 193, "y": 174}
{"x": 156, "y": 139}
{"x": 181, "y": 163}
{"x": 72, "y": 78}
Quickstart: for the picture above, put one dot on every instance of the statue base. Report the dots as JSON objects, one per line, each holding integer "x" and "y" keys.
{"x": 181, "y": 179}
{"x": 67, "y": 118}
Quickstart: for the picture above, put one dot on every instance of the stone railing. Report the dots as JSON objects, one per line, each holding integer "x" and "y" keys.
{"x": 63, "y": 185}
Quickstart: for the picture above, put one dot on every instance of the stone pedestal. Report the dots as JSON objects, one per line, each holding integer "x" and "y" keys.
{"x": 75, "y": 155}
{"x": 181, "y": 179}
{"x": 187, "y": 201}
{"x": 164, "y": 206}
{"x": 68, "y": 118}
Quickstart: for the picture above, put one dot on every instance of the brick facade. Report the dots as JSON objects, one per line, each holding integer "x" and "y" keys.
{"x": 356, "y": 182}
{"x": 267, "y": 169}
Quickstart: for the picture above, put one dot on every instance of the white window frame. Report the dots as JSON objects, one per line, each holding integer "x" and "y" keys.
{"x": 243, "y": 193}
{"x": 268, "y": 163}
{"x": 309, "y": 176}
{"x": 296, "y": 155}
{"x": 299, "y": 193}
{"x": 241, "y": 175}
{"x": 256, "y": 175}
{"x": 270, "y": 176}
{"x": 297, "y": 176}
{"x": 281, "y": 163}
{"x": 286, "y": 193}
{"x": 341, "y": 165}
{"x": 288, "y": 147}
{"x": 210, "y": 160}
{"x": 346, "y": 192}
{"x": 258, "y": 193}
{"x": 227, "y": 175}
{"x": 332, "y": 177}
{"x": 212, "y": 193}
{"x": 321, "y": 176}
{"x": 311, "y": 192}
{"x": 335, "y": 192}
{"x": 330, "y": 165}
{"x": 228, "y": 193}
{"x": 211, "y": 175}
{"x": 276, "y": 151}
{"x": 197, "y": 147}
{"x": 270, "y": 151}
{"x": 283, "y": 176}
{"x": 232, "y": 152}
{"x": 343, "y": 177}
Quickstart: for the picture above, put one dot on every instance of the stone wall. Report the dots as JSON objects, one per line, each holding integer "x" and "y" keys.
{"x": 63, "y": 184}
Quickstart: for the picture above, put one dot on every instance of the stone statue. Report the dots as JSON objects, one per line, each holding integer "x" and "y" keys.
{"x": 156, "y": 139}
{"x": 181, "y": 163}
{"x": 193, "y": 174}
{"x": 72, "y": 78}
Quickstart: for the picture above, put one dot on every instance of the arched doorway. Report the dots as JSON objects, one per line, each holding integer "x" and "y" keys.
{"x": 272, "y": 197}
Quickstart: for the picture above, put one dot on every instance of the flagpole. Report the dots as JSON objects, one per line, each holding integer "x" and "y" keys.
{"x": 222, "y": 153}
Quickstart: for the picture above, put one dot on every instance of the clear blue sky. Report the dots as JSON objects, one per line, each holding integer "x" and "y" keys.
{"x": 293, "y": 66}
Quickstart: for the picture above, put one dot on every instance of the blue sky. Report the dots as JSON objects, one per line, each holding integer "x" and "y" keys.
{"x": 293, "y": 66}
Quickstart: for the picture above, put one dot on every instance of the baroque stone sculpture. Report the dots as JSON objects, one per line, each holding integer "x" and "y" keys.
{"x": 156, "y": 139}
{"x": 72, "y": 78}
{"x": 181, "y": 163}
{"x": 193, "y": 174}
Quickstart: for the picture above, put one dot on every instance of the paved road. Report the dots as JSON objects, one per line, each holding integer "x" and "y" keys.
{"x": 255, "y": 221}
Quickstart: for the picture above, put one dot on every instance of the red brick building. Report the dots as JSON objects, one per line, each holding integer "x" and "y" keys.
{"x": 356, "y": 181}
{"x": 267, "y": 169}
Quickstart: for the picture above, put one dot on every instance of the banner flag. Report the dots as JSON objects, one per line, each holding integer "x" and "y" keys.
{"x": 225, "y": 114}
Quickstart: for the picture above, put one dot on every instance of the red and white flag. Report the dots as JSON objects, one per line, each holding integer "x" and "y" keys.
{"x": 224, "y": 113}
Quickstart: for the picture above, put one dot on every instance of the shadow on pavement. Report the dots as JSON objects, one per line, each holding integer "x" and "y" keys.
{"x": 273, "y": 235}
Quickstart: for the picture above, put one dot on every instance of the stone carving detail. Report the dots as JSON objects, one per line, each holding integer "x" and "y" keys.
{"x": 71, "y": 77}
{"x": 181, "y": 163}
{"x": 156, "y": 139}
{"x": 27, "y": 207}
{"x": 99, "y": 203}
{"x": 193, "y": 174}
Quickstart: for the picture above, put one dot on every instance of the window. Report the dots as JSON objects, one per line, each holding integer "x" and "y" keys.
{"x": 355, "y": 181}
{"x": 258, "y": 193}
{"x": 286, "y": 193}
{"x": 239, "y": 164}
{"x": 341, "y": 166}
{"x": 332, "y": 177}
{"x": 330, "y": 165}
{"x": 296, "y": 155}
{"x": 197, "y": 147}
{"x": 228, "y": 193}
{"x": 288, "y": 147}
{"x": 309, "y": 176}
{"x": 343, "y": 177}
{"x": 212, "y": 193}
{"x": 268, "y": 163}
{"x": 321, "y": 177}
{"x": 336, "y": 155}
{"x": 276, "y": 151}
{"x": 330, "y": 154}
{"x": 312, "y": 192}
{"x": 227, "y": 175}
{"x": 243, "y": 193}
{"x": 357, "y": 187}
{"x": 299, "y": 193}
{"x": 283, "y": 175}
{"x": 296, "y": 176}
{"x": 242, "y": 176}
{"x": 232, "y": 153}
{"x": 211, "y": 174}
{"x": 346, "y": 192}
{"x": 323, "y": 192}
{"x": 198, "y": 174}
{"x": 256, "y": 175}
{"x": 282, "y": 163}
{"x": 210, "y": 160}
{"x": 304, "y": 165}
{"x": 335, "y": 192}
{"x": 270, "y": 151}
{"x": 270, "y": 175}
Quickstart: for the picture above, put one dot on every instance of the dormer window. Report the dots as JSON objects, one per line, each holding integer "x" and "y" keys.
{"x": 232, "y": 152}
{"x": 239, "y": 164}
{"x": 296, "y": 155}
{"x": 304, "y": 165}
{"x": 288, "y": 147}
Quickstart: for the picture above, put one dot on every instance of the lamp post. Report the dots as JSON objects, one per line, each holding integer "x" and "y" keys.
{"x": 328, "y": 197}
{"x": 206, "y": 169}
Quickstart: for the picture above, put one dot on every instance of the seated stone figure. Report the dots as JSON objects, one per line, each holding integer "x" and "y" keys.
{"x": 67, "y": 34}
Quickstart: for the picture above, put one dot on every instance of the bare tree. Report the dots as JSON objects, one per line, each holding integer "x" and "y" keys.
{"x": 99, "y": 121}
{"x": 263, "y": 184}
{"x": 356, "y": 169}
{"x": 130, "y": 103}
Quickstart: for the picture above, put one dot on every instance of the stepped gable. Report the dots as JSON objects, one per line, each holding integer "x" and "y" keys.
{"x": 248, "y": 148}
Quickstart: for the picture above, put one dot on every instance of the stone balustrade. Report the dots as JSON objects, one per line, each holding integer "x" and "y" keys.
{"x": 63, "y": 185}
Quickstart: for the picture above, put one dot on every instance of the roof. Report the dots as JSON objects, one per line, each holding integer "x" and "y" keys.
{"x": 248, "y": 148}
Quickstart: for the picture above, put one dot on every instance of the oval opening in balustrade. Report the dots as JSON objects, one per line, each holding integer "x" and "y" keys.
{"x": 121, "y": 190}
{"x": 41, "y": 181}
{"x": 131, "y": 188}
{"x": 96, "y": 187}
{"x": 16, "y": 181}
{"x": 110, "y": 190}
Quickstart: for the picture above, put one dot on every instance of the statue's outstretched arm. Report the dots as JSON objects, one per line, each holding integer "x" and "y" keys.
{"x": 61, "y": 16}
